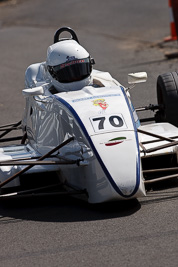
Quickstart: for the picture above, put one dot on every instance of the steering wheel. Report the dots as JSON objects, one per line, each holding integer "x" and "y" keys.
{"x": 65, "y": 29}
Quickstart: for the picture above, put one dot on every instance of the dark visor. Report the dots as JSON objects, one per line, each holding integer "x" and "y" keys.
{"x": 71, "y": 71}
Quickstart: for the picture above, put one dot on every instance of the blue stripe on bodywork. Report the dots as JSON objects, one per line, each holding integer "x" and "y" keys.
{"x": 137, "y": 142}
{"x": 65, "y": 103}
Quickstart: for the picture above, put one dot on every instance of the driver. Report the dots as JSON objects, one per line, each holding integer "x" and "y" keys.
{"x": 68, "y": 67}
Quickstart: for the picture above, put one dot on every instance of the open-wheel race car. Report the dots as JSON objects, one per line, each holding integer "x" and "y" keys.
{"x": 89, "y": 140}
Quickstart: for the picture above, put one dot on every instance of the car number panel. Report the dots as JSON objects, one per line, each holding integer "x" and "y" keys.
{"x": 108, "y": 122}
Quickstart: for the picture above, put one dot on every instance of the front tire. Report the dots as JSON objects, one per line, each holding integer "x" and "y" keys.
{"x": 167, "y": 96}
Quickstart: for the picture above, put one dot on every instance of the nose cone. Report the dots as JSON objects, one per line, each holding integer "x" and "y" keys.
{"x": 119, "y": 157}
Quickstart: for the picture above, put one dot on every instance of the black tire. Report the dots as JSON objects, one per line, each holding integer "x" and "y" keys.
{"x": 167, "y": 96}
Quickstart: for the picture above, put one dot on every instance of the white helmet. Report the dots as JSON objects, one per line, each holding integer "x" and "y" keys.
{"x": 69, "y": 65}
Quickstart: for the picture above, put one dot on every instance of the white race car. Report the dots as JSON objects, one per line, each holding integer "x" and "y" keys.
{"x": 90, "y": 141}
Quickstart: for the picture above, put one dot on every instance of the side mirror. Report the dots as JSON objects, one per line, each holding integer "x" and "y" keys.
{"x": 33, "y": 91}
{"x": 138, "y": 77}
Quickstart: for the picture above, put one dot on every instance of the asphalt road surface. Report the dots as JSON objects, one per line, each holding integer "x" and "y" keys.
{"x": 123, "y": 36}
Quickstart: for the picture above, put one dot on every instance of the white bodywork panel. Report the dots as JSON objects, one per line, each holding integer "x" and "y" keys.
{"x": 163, "y": 129}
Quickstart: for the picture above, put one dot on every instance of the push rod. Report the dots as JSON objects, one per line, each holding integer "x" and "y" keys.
{"x": 161, "y": 179}
{"x": 10, "y": 129}
{"x": 173, "y": 169}
{"x": 155, "y": 135}
{"x": 38, "y": 162}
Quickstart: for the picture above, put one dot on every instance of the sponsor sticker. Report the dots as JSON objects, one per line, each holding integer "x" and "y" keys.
{"x": 94, "y": 97}
{"x": 101, "y": 103}
{"x": 115, "y": 141}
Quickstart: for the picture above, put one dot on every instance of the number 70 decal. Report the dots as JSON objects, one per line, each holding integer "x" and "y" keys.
{"x": 108, "y": 123}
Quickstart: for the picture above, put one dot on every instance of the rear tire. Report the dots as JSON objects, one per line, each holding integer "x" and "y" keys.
{"x": 167, "y": 96}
